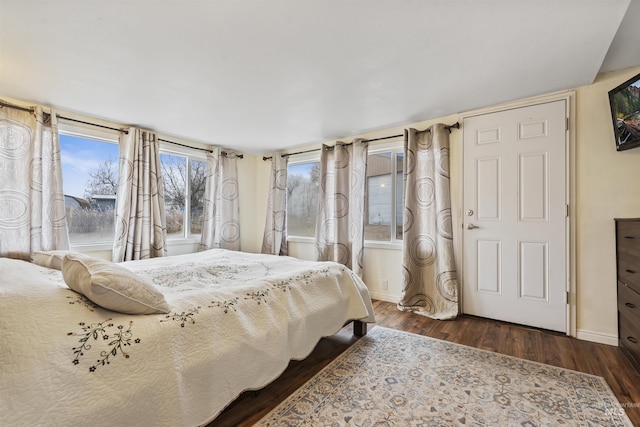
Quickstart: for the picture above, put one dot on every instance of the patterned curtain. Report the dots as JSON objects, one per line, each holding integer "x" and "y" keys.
{"x": 32, "y": 213}
{"x": 207, "y": 239}
{"x": 221, "y": 224}
{"x": 430, "y": 283}
{"x": 274, "y": 241}
{"x": 340, "y": 222}
{"x": 140, "y": 218}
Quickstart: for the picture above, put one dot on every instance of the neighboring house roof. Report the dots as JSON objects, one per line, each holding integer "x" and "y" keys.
{"x": 76, "y": 201}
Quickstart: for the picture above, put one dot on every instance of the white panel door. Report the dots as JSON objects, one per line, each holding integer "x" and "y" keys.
{"x": 514, "y": 218}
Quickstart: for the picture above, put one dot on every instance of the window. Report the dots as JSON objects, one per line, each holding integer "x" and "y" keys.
{"x": 384, "y": 196}
{"x": 198, "y": 179}
{"x": 90, "y": 180}
{"x": 173, "y": 177}
{"x": 90, "y": 160}
{"x": 303, "y": 180}
{"x": 183, "y": 197}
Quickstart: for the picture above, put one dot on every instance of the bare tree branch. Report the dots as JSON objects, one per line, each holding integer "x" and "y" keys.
{"x": 104, "y": 180}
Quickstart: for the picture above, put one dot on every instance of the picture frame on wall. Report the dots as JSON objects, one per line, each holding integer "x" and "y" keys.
{"x": 624, "y": 101}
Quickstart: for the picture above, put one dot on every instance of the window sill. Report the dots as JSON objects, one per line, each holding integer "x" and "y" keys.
{"x": 91, "y": 247}
{"x": 300, "y": 239}
{"x": 393, "y": 246}
{"x": 184, "y": 241}
{"x": 368, "y": 244}
{"x": 108, "y": 246}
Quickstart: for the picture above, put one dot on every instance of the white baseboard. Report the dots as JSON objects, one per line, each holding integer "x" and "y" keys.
{"x": 384, "y": 297}
{"x": 598, "y": 337}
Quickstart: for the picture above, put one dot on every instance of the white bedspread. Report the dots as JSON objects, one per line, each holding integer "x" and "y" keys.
{"x": 236, "y": 320}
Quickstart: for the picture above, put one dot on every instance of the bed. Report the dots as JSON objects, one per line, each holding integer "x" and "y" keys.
{"x": 234, "y": 322}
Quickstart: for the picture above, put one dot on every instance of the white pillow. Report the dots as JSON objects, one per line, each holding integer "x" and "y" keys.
{"x": 50, "y": 259}
{"x": 112, "y": 286}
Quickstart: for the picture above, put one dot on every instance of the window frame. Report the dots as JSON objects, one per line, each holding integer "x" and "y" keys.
{"x": 301, "y": 159}
{"x": 113, "y": 136}
{"x": 395, "y": 146}
{"x": 190, "y": 154}
{"x": 80, "y": 130}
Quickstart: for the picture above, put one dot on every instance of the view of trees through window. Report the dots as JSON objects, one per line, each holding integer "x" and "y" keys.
{"x": 303, "y": 180}
{"x": 90, "y": 179}
{"x": 383, "y": 205}
{"x": 179, "y": 199}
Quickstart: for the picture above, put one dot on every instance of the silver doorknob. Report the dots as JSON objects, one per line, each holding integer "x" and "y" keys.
{"x": 471, "y": 226}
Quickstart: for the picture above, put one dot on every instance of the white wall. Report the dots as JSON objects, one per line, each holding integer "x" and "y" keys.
{"x": 253, "y": 182}
{"x": 607, "y": 186}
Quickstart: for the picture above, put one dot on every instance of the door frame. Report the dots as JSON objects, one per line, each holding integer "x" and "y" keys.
{"x": 570, "y": 182}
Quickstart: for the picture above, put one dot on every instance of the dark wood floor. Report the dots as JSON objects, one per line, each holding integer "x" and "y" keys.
{"x": 540, "y": 346}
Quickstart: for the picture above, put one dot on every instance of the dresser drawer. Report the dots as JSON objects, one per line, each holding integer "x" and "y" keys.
{"x": 628, "y": 238}
{"x": 629, "y": 271}
{"x": 629, "y": 252}
{"x": 628, "y": 302}
{"x": 628, "y": 232}
{"x": 629, "y": 330}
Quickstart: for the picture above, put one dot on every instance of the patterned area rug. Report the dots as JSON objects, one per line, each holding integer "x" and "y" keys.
{"x": 396, "y": 378}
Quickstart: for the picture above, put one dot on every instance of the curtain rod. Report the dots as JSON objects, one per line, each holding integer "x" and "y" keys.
{"x": 310, "y": 151}
{"x": 31, "y": 110}
{"x": 125, "y": 131}
{"x": 185, "y": 145}
{"x": 224, "y": 153}
{"x": 456, "y": 125}
{"x": 5, "y": 104}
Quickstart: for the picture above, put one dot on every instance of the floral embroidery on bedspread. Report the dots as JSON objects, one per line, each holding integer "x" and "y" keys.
{"x": 102, "y": 334}
{"x": 81, "y": 300}
{"x": 259, "y": 296}
{"x": 226, "y": 305}
{"x": 183, "y": 317}
{"x": 193, "y": 275}
{"x": 225, "y": 273}
{"x": 107, "y": 340}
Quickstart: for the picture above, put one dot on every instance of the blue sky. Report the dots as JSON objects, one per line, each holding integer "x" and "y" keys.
{"x": 302, "y": 169}
{"x": 80, "y": 156}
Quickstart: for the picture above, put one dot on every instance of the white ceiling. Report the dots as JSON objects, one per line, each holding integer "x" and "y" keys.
{"x": 264, "y": 75}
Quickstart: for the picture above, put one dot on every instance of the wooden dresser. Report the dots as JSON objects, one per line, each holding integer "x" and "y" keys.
{"x": 628, "y": 266}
